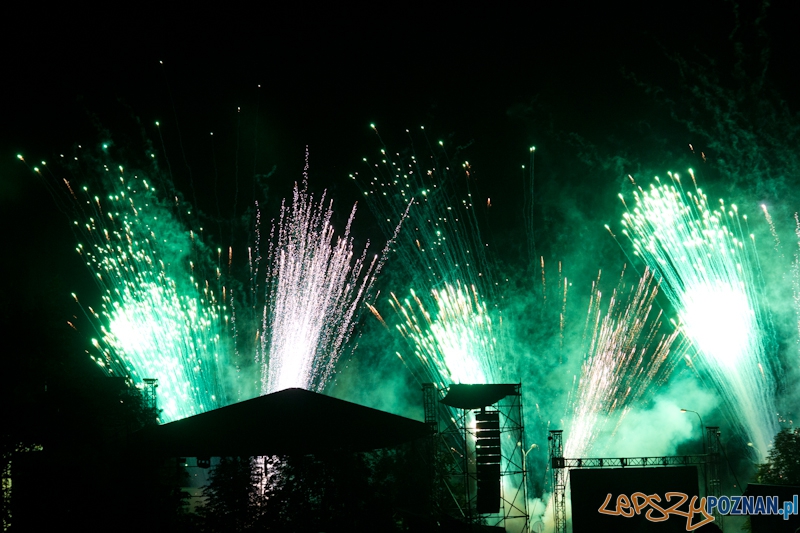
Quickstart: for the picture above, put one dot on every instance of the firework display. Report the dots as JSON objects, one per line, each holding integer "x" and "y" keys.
{"x": 449, "y": 324}
{"x": 450, "y": 327}
{"x": 198, "y": 260}
{"x": 625, "y": 356}
{"x": 710, "y": 272}
{"x": 156, "y": 320}
{"x": 315, "y": 291}
{"x": 453, "y": 343}
{"x": 308, "y": 288}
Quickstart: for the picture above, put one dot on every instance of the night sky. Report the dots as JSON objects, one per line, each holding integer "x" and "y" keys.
{"x": 601, "y": 91}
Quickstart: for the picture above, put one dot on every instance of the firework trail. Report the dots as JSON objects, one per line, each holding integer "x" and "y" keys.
{"x": 792, "y": 277}
{"x": 441, "y": 242}
{"x": 156, "y": 319}
{"x": 795, "y": 269}
{"x": 528, "y": 210}
{"x": 624, "y": 356}
{"x": 710, "y": 272}
{"x": 315, "y": 292}
{"x": 440, "y": 248}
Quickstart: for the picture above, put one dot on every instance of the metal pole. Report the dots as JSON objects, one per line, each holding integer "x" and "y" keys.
{"x": 703, "y": 435}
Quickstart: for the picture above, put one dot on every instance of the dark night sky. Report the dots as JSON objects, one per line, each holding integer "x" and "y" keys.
{"x": 502, "y": 78}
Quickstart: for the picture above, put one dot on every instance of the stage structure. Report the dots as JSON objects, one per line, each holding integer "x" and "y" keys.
{"x": 560, "y": 464}
{"x": 149, "y": 393}
{"x": 477, "y": 451}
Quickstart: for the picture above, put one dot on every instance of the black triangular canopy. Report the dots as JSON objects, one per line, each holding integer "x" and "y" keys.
{"x": 462, "y": 396}
{"x": 291, "y": 421}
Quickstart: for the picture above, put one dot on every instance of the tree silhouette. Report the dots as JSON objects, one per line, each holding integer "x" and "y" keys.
{"x": 783, "y": 462}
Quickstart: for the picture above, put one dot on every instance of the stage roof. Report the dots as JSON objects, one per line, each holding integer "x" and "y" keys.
{"x": 291, "y": 421}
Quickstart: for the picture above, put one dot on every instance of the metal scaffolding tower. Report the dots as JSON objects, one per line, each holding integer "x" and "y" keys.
{"x": 149, "y": 393}
{"x": 479, "y": 453}
{"x": 556, "y": 448}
